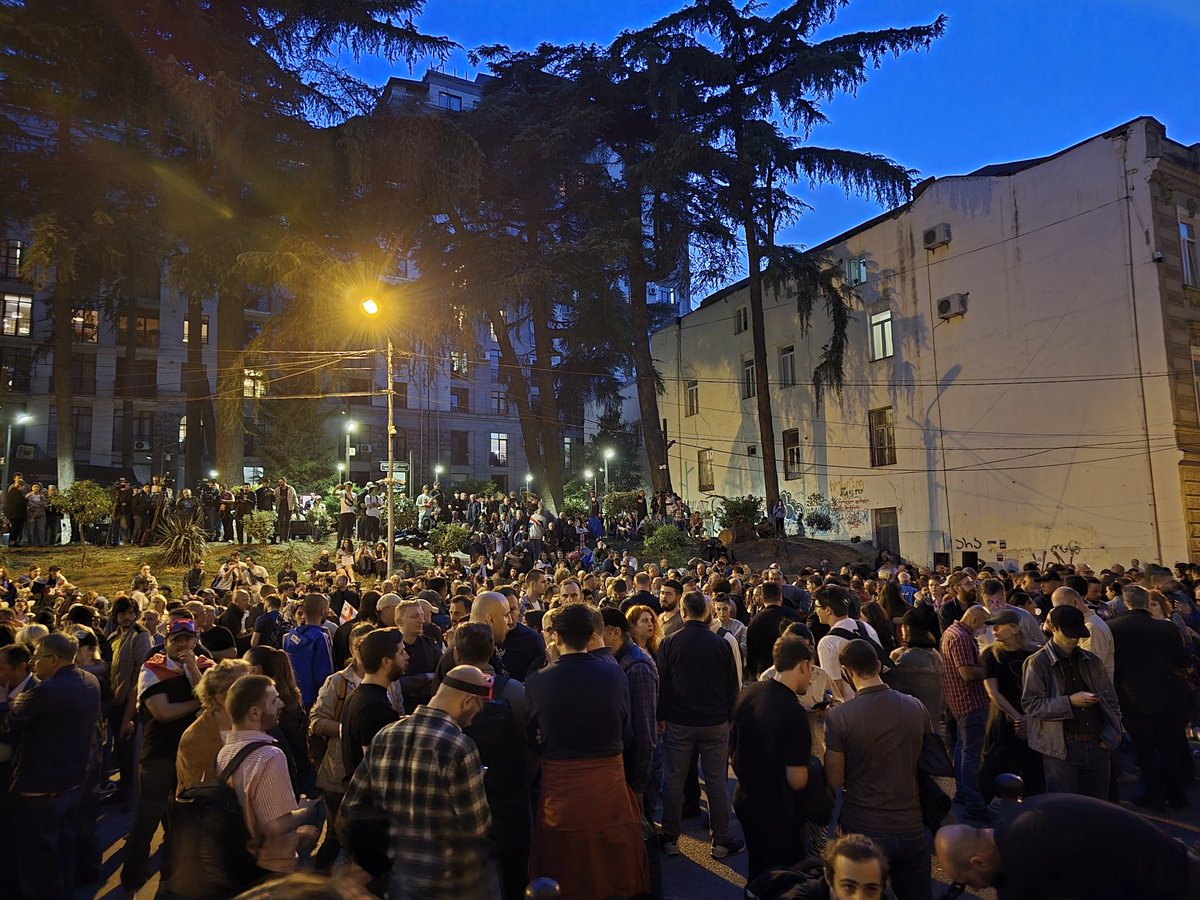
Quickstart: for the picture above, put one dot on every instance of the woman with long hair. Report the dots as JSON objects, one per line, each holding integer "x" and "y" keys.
{"x": 644, "y": 628}
{"x": 292, "y": 730}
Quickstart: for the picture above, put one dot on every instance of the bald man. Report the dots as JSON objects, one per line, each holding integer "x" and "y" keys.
{"x": 426, "y": 776}
{"x": 516, "y": 652}
{"x": 962, "y": 684}
{"x": 1046, "y": 849}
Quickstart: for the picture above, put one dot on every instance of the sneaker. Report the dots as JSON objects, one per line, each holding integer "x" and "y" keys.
{"x": 669, "y": 846}
{"x": 727, "y": 847}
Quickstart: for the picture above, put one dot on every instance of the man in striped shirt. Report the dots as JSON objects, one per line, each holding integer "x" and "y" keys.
{"x": 276, "y": 820}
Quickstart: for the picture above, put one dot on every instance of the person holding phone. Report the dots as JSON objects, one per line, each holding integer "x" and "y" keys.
{"x": 1074, "y": 717}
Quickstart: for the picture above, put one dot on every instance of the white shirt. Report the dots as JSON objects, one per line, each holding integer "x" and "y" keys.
{"x": 829, "y": 648}
{"x": 1099, "y": 641}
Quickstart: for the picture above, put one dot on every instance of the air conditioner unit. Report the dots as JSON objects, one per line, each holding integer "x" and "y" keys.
{"x": 937, "y": 236}
{"x": 364, "y": 448}
{"x": 954, "y": 305}
{"x": 26, "y": 451}
{"x": 141, "y": 445}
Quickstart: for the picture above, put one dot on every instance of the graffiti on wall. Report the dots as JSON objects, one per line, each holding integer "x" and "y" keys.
{"x": 847, "y": 499}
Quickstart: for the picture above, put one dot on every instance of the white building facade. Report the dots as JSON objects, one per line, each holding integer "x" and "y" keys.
{"x": 1020, "y": 377}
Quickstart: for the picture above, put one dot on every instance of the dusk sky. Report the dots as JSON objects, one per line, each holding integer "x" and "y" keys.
{"x": 1009, "y": 80}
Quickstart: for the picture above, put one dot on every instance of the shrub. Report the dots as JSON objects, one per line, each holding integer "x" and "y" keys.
{"x": 620, "y": 502}
{"x": 86, "y": 503}
{"x": 669, "y": 543}
{"x": 448, "y": 538}
{"x": 476, "y": 486}
{"x": 301, "y": 555}
{"x": 180, "y": 540}
{"x": 740, "y": 515}
{"x": 259, "y": 526}
{"x": 421, "y": 559}
{"x": 820, "y": 517}
{"x": 573, "y": 507}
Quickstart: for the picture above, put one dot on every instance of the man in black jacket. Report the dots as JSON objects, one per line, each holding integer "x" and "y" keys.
{"x": 699, "y": 686}
{"x": 1149, "y": 657}
{"x": 14, "y": 509}
{"x": 764, "y": 629}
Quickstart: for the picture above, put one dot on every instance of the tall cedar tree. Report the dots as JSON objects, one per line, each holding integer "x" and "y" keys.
{"x": 751, "y": 87}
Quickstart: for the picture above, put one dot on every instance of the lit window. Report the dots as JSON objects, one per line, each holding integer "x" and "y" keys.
{"x": 18, "y": 315}
{"x": 203, "y": 330}
{"x": 498, "y": 450}
{"x": 881, "y": 424}
{"x": 705, "y": 471}
{"x": 145, "y": 329}
{"x": 693, "y": 398}
{"x": 787, "y": 365}
{"x": 85, "y": 326}
{"x": 254, "y": 384}
{"x": 10, "y": 262}
{"x": 741, "y": 319}
{"x": 458, "y": 363}
{"x": 881, "y": 334}
{"x": 567, "y": 462}
{"x": 749, "y": 382}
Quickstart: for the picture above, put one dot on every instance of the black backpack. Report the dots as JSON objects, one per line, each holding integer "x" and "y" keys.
{"x": 860, "y": 634}
{"x": 493, "y": 730}
{"x": 210, "y": 854}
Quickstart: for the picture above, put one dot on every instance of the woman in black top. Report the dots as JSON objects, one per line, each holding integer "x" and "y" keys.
{"x": 292, "y": 730}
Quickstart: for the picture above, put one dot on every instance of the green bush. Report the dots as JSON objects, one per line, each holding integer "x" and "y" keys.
{"x": 259, "y": 526}
{"x": 86, "y": 503}
{"x": 620, "y": 502}
{"x": 421, "y": 559}
{"x": 573, "y": 507}
{"x": 741, "y": 515}
{"x": 476, "y": 486}
{"x": 448, "y": 538}
{"x": 669, "y": 543}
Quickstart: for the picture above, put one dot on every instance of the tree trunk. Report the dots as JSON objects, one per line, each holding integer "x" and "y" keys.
{"x": 647, "y": 387}
{"x": 762, "y": 390}
{"x": 230, "y": 414}
{"x": 61, "y": 376}
{"x": 546, "y": 415}
{"x": 197, "y": 389}
{"x": 129, "y": 337}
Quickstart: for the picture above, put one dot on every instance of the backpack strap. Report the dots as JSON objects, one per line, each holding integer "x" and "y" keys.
{"x": 499, "y": 682}
{"x": 240, "y": 758}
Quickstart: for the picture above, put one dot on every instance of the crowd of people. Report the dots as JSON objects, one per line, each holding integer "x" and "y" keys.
{"x": 535, "y": 711}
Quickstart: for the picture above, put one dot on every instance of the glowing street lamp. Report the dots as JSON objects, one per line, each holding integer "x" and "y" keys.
{"x": 589, "y": 475}
{"x": 20, "y": 419}
{"x": 609, "y": 453}
{"x": 371, "y": 309}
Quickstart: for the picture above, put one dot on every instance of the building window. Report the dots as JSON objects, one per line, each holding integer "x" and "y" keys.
{"x": 137, "y": 378}
{"x": 787, "y": 365}
{"x": 145, "y": 329}
{"x": 18, "y": 315}
{"x": 400, "y": 390}
{"x": 203, "y": 330}
{"x": 452, "y": 102}
{"x": 10, "y": 262}
{"x": 494, "y": 363}
{"x": 400, "y": 447}
{"x": 85, "y": 326}
{"x": 498, "y": 450}
{"x": 83, "y": 376}
{"x": 693, "y": 398}
{"x": 705, "y": 471}
{"x": 881, "y": 335}
{"x": 499, "y": 403}
{"x": 460, "y": 442}
{"x": 749, "y": 382}
{"x": 141, "y": 430}
{"x": 460, "y": 400}
{"x": 856, "y": 270}
{"x": 792, "y": 456}
{"x": 82, "y": 419}
{"x": 254, "y": 383}
{"x": 568, "y": 465}
{"x": 458, "y": 363}
{"x": 1196, "y": 376}
{"x": 16, "y": 368}
{"x": 1191, "y": 261}
{"x": 741, "y": 319}
{"x": 883, "y": 436}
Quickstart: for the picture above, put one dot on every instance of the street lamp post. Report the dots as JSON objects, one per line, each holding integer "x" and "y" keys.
{"x": 528, "y": 483}
{"x": 22, "y": 419}
{"x": 350, "y": 426}
{"x": 371, "y": 308}
{"x": 608, "y": 454}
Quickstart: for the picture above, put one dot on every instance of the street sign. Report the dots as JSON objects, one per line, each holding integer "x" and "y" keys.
{"x": 397, "y": 466}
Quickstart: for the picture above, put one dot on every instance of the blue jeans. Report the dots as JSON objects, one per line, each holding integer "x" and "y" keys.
{"x": 1084, "y": 771}
{"x": 45, "y": 844}
{"x": 909, "y": 863}
{"x": 968, "y": 756}
{"x": 682, "y": 743}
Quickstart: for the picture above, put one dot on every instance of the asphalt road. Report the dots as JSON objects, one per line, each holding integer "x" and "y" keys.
{"x": 693, "y": 874}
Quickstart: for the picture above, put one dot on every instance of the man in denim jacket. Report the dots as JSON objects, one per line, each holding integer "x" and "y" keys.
{"x": 1074, "y": 718}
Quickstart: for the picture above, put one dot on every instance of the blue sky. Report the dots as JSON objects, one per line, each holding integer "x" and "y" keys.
{"x": 1011, "y": 79}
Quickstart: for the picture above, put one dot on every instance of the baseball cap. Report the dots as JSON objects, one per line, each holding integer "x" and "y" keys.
{"x": 1004, "y": 617}
{"x": 388, "y": 600}
{"x": 1069, "y": 621}
{"x": 180, "y": 626}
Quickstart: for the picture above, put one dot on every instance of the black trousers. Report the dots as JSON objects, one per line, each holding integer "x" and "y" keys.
{"x": 1162, "y": 753}
{"x": 283, "y": 525}
{"x": 157, "y": 785}
{"x": 772, "y": 841}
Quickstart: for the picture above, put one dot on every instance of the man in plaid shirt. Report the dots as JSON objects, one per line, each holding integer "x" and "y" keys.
{"x": 425, "y": 776}
{"x": 962, "y": 683}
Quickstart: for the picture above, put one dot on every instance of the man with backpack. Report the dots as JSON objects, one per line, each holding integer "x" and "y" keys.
{"x": 310, "y": 649}
{"x": 269, "y": 628}
{"x": 498, "y": 731}
{"x": 832, "y": 603}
